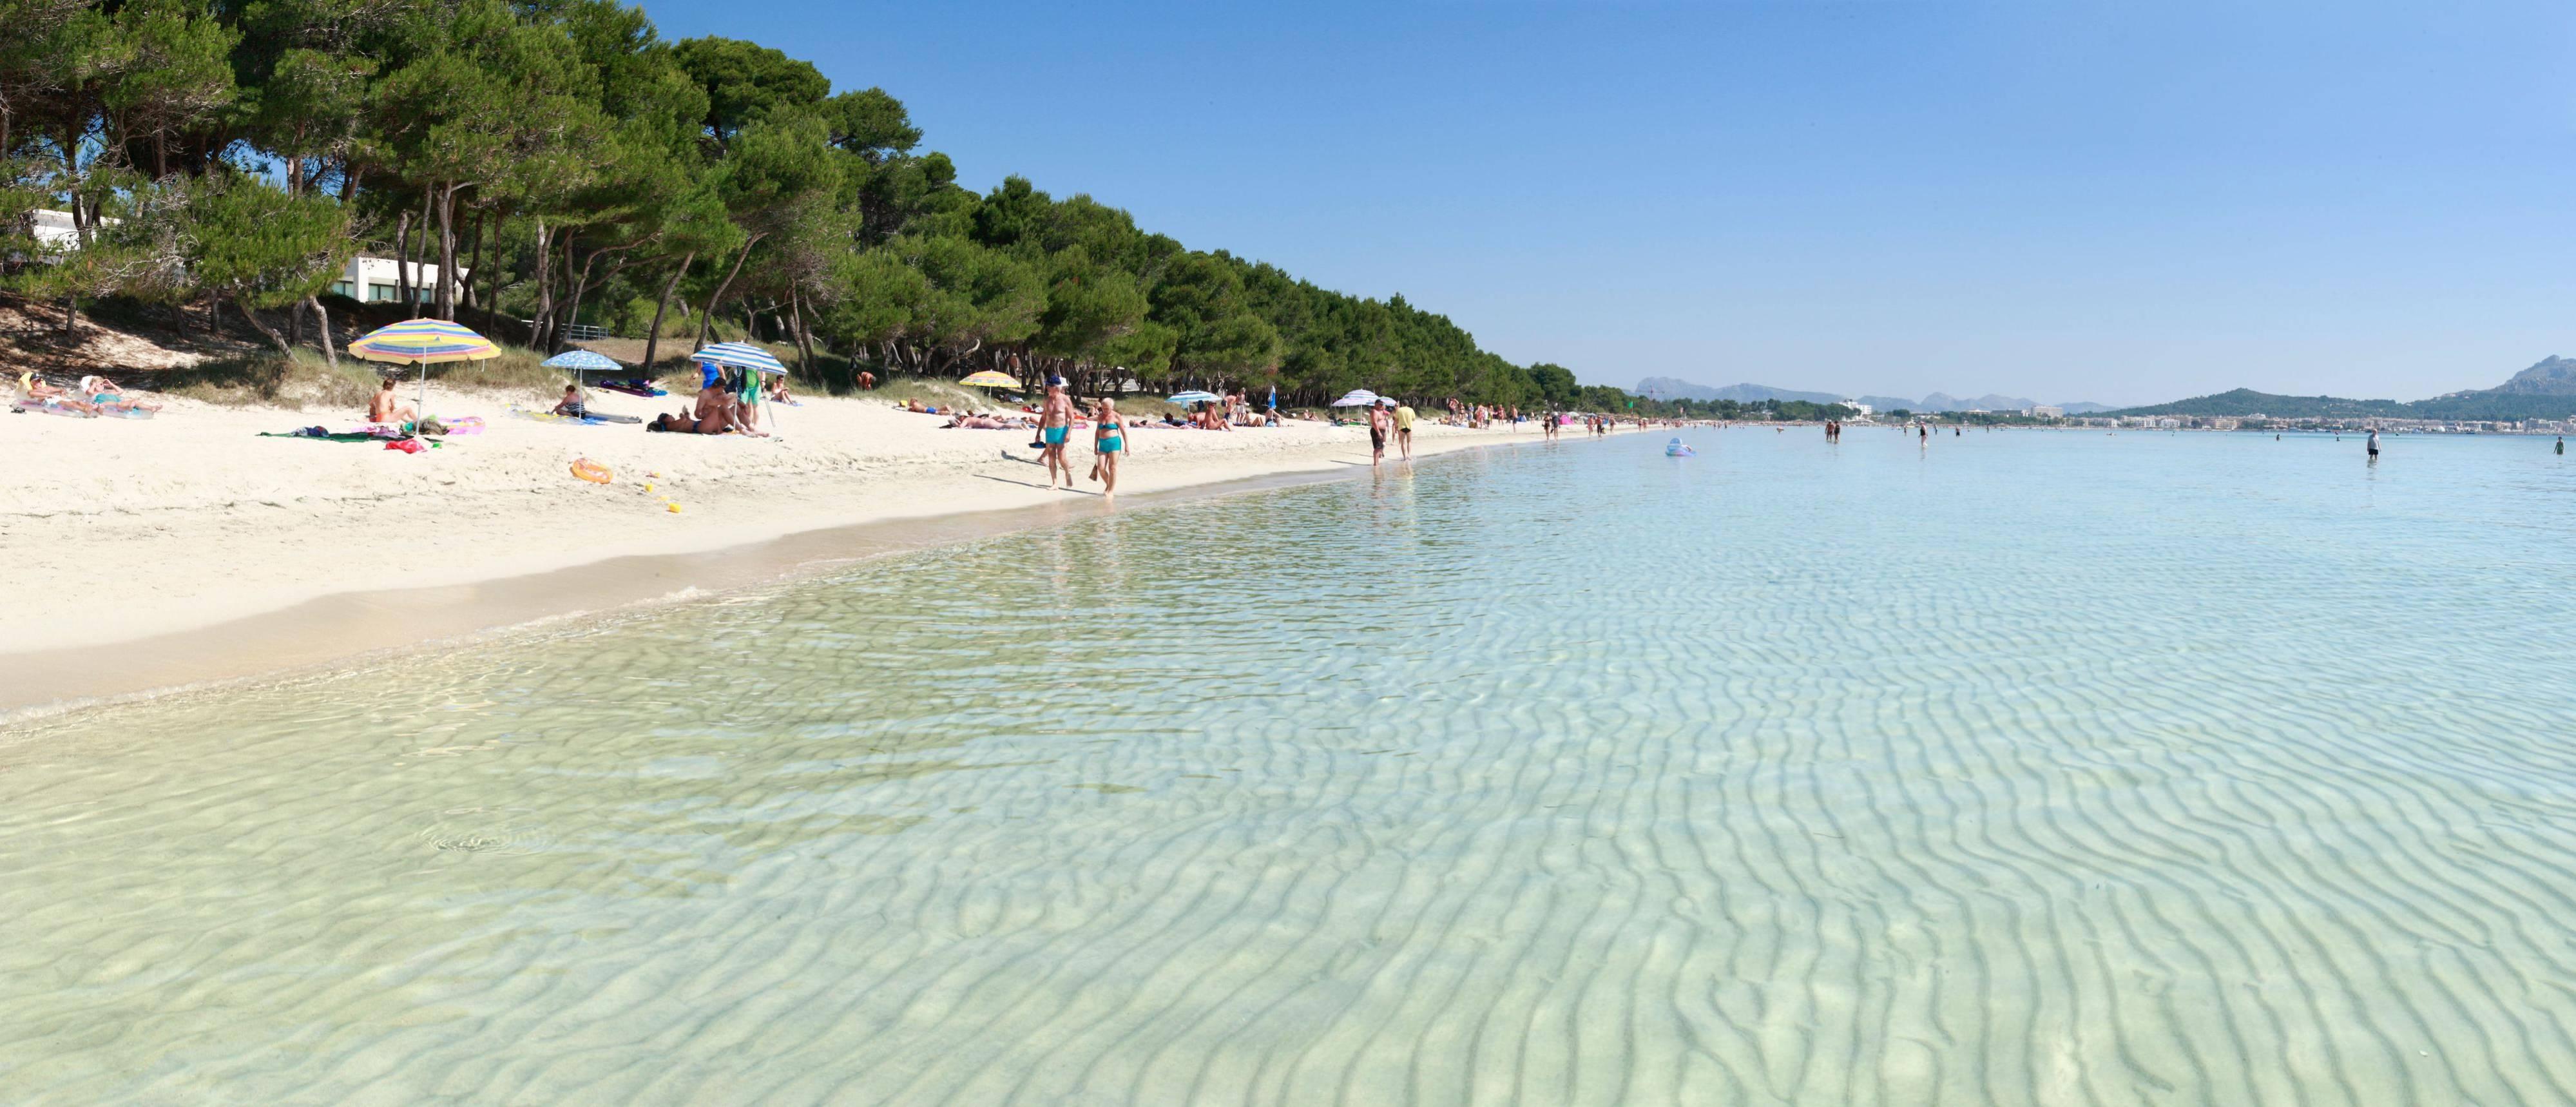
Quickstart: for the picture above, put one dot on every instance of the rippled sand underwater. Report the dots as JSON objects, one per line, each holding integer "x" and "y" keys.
{"x": 2028, "y": 768}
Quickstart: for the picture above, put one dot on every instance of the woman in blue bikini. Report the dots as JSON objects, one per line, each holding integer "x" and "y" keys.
{"x": 1108, "y": 440}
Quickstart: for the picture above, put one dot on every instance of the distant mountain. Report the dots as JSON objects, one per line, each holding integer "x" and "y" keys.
{"x": 1673, "y": 388}
{"x": 2086, "y": 408}
{"x": 2550, "y": 376}
{"x": 1942, "y": 401}
{"x": 2547, "y": 390}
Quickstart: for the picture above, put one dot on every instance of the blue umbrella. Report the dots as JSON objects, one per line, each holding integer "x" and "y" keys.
{"x": 584, "y": 361}
{"x": 741, "y": 355}
{"x": 1194, "y": 397}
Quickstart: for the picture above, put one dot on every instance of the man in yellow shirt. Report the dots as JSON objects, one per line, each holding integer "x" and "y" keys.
{"x": 1404, "y": 429}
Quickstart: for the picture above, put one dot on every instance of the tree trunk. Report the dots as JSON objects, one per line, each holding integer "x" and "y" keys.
{"x": 473, "y": 270}
{"x": 330, "y": 355}
{"x": 572, "y": 308}
{"x": 653, "y": 338}
{"x": 71, "y": 313}
{"x": 295, "y": 324}
{"x": 263, "y": 328}
{"x": 411, "y": 302}
{"x": 446, "y": 296}
{"x": 402, "y": 257}
{"x": 804, "y": 338}
{"x": 545, "y": 291}
{"x": 708, "y": 320}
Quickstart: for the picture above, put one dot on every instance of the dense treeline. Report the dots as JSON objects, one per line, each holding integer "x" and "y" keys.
{"x": 583, "y": 170}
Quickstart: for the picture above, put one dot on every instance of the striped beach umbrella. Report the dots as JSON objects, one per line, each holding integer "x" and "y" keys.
{"x": 1187, "y": 398}
{"x": 741, "y": 355}
{"x": 421, "y": 341}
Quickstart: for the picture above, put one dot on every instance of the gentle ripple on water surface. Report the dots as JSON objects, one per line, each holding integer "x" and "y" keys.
{"x": 2029, "y": 768}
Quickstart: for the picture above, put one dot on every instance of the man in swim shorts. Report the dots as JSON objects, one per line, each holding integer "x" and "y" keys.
{"x": 1404, "y": 429}
{"x": 1055, "y": 420}
{"x": 1377, "y": 432}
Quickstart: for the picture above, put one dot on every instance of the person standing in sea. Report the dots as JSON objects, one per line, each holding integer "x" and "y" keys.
{"x": 1055, "y": 420}
{"x": 2562, "y": 445}
{"x": 2373, "y": 445}
{"x": 1377, "y": 432}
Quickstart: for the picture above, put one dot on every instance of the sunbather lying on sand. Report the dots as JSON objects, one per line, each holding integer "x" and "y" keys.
{"x": 384, "y": 408}
{"x": 107, "y": 397}
{"x": 986, "y": 422}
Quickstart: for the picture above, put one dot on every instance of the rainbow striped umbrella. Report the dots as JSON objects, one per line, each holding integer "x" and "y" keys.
{"x": 420, "y": 342}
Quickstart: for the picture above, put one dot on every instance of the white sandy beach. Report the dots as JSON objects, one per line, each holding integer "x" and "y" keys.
{"x": 121, "y": 530}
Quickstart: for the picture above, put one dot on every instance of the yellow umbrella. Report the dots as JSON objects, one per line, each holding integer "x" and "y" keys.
{"x": 992, "y": 379}
{"x": 422, "y": 341}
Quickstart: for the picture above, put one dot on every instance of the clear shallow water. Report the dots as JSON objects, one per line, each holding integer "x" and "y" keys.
{"x": 2029, "y": 768}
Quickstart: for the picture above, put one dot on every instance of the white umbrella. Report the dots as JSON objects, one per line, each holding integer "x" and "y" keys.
{"x": 1357, "y": 397}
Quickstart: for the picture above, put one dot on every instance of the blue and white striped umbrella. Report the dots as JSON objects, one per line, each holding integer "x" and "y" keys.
{"x": 741, "y": 355}
{"x": 584, "y": 361}
{"x": 1194, "y": 397}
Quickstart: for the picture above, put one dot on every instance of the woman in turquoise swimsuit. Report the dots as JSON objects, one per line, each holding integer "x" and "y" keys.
{"x": 1108, "y": 440}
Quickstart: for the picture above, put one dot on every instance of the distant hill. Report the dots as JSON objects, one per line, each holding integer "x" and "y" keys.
{"x": 1942, "y": 401}
{"x": 2086, "y": 408}
{"x": 2550, "y": 376}
{"x": 2246, "y": 401}
{"x": 1674, "y": 388}
{"x": 2547, "y": 390}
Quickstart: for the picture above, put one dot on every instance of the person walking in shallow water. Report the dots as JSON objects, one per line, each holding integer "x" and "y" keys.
{"x": 2562, "y": 445}
{"x": 2372, "y": 447}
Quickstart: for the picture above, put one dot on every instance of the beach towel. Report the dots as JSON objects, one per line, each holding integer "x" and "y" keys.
{"x": 642, "y": 388}
{"x": 593, "y": 419}
{"x": 320, "y": 434}
{"x": 48, "y": 407}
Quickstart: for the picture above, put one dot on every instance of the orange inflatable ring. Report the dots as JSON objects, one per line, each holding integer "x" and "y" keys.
{"x": 591, "y": 471}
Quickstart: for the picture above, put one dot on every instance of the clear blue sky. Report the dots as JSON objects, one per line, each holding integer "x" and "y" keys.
{"x": 2069, "y": 201}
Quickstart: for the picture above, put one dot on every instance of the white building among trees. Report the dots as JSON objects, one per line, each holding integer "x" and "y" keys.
{"x": 367, "y": 279}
